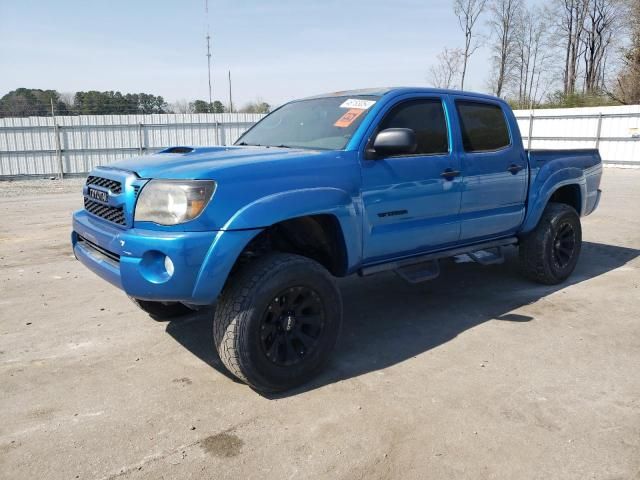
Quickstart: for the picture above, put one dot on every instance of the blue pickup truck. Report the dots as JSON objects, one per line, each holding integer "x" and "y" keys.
{"x": 350, "y": 182}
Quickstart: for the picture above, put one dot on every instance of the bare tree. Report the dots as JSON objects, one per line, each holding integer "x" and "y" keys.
{"x": 445, "y": 73}
{"x": 524, "y": 34}
{"x": 67, "y": 98}
{"x": 468, "y": 12}
{"x": 502, "y": 20}
{"x": 571, "y": 16}
{"x": 181, "y": 106}
{"x": 532, "y": 56}
{"x": 601, "y": 24}
{"x": 627, "y": 88}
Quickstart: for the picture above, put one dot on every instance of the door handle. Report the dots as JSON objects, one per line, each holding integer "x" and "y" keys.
{"x": 513, "y": 168}
{"x": 450, "y": 174}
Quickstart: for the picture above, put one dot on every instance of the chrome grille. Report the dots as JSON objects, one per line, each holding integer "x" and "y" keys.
{"x": 113, "y": 185}
{"x": 113, "y": 214}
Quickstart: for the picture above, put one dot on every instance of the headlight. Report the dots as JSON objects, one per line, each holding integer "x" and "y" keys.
{"x": 169, "y": 202}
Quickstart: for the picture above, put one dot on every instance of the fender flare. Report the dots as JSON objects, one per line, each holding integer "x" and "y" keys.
{"x": 546, "y": 183}
{"x": 251, "y": 220}
{"x": 281, "y": 206}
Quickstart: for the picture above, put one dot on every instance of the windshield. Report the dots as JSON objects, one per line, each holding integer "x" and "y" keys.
{"x": 322, "y": 123}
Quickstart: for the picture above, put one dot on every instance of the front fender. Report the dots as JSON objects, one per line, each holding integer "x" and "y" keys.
{"x": 291, "y": 204}
{"x": 546, "y": 182}
{"x": 218, "y": 262}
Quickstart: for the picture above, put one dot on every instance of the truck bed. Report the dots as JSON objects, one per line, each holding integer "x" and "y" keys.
{"x": 554, "y": 167}
{"x": 578, "y": 157}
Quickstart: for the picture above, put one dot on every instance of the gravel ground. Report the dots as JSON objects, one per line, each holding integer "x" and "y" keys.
{"x": 476, "y": 375}
{"x": 31, "y": 187}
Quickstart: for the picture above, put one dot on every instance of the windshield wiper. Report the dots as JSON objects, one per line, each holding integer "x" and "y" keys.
{"x": 283, "y": 146}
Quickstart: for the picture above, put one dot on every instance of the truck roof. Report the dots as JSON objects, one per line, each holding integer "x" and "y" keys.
{"x": 381, "y": 91}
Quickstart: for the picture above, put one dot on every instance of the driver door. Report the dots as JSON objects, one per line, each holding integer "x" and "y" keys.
{"x": 412, "y": 201}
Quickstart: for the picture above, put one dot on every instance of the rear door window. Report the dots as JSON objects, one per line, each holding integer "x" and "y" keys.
{"x": 483, "y": 126}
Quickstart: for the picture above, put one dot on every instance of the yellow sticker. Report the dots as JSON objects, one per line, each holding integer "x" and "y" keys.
{"x": 348, "y": 118}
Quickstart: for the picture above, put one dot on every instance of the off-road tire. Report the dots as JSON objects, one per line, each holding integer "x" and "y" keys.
{"x": 538, "y": 259}
{"x": 161, "y": 310}
{"x": 245, "y": 302}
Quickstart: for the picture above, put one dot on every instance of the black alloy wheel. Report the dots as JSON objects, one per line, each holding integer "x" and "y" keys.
{"x": 549, "y": 253}
{"x": 292, "y": 326}
{"x": 564, "y": 245}
{"x": 277, "y": 321}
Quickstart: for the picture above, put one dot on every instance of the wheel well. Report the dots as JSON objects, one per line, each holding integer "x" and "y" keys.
{"x": 318, "y": 237}
{"x": 569, "y": 195}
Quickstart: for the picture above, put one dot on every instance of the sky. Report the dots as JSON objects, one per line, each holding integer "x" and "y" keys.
{"x": 277, "y": 50}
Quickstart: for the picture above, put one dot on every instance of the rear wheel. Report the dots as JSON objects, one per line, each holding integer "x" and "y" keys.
{"x": 550, "y": 252}
{"x": 162, "y": 310}
{"x": 277, "y": 321}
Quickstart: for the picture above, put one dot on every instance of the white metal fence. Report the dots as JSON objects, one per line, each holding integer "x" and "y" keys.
{"x": 74, "y": 145}
{"x": 615, "y": 131}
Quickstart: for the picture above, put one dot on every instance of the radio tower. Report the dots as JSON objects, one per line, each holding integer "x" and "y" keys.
{"x": 208, "y": 37}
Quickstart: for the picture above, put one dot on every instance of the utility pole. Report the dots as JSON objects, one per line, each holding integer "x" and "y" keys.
{"x": 206, "y": 11}
{"x": 209, "y": 71}
{"x": 230, "y": 100}
{"x": 56, "y": 136}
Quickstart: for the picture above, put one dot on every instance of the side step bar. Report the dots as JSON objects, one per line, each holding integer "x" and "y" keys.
{"x": 425, "y": 267}
{"x": 419, "y": 272}
{"x": 488, "y": 256}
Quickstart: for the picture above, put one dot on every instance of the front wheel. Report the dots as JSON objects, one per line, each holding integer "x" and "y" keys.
{"x": 277, "y": 321}
{"x": 550, "y": 252}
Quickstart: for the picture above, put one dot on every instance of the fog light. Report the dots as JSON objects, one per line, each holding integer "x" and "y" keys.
{"x": 168, "y": 266}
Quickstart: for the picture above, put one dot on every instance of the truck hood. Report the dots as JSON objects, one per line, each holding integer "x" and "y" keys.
{"x": 209, "y": 162}
{"x": 255, "y": 176}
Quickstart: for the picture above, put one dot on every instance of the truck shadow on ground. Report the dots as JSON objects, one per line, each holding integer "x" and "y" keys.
{"x": 387, "y": 321}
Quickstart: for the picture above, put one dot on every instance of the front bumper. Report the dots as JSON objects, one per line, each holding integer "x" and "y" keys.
{"x": 133, "y": 259}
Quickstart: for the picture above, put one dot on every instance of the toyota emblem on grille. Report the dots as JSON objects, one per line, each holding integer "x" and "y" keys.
{"x": 99, "y": 195}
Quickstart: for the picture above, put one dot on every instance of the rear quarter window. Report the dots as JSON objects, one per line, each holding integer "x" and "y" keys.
{"x": 483, "y": 126}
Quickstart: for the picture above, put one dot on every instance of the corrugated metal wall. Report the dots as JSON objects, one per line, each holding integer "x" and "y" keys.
{"x": 615, "y": 131}
{"x": 29, "y": 146}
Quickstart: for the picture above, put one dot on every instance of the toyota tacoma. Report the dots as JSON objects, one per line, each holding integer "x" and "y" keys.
{"x": 350, "y": 182}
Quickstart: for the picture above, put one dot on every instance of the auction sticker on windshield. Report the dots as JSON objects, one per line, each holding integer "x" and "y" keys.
{"x": 358, "y": 103}
{"x": 347, "y": 119}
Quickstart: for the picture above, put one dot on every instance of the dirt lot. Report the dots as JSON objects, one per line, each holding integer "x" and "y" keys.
{"x": 479, "y": 374}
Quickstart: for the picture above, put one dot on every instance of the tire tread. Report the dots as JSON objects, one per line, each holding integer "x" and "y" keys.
{"x": 236, "y": 301}
{"x": 534, "y": 261}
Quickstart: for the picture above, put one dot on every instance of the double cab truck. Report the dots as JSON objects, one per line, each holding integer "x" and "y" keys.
{"x": 350, "y": 182}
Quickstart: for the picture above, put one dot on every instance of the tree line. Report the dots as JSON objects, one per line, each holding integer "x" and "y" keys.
{"x": 25, "y": 102}
{"x": 552, "y": 53}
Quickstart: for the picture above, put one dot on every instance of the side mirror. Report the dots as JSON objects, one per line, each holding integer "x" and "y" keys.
{"x": 395, "y": 141}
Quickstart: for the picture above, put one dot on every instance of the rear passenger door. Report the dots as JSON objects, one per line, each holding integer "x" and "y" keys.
{"x": 494, "y": 171}
{"x": 411, "y": 201}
